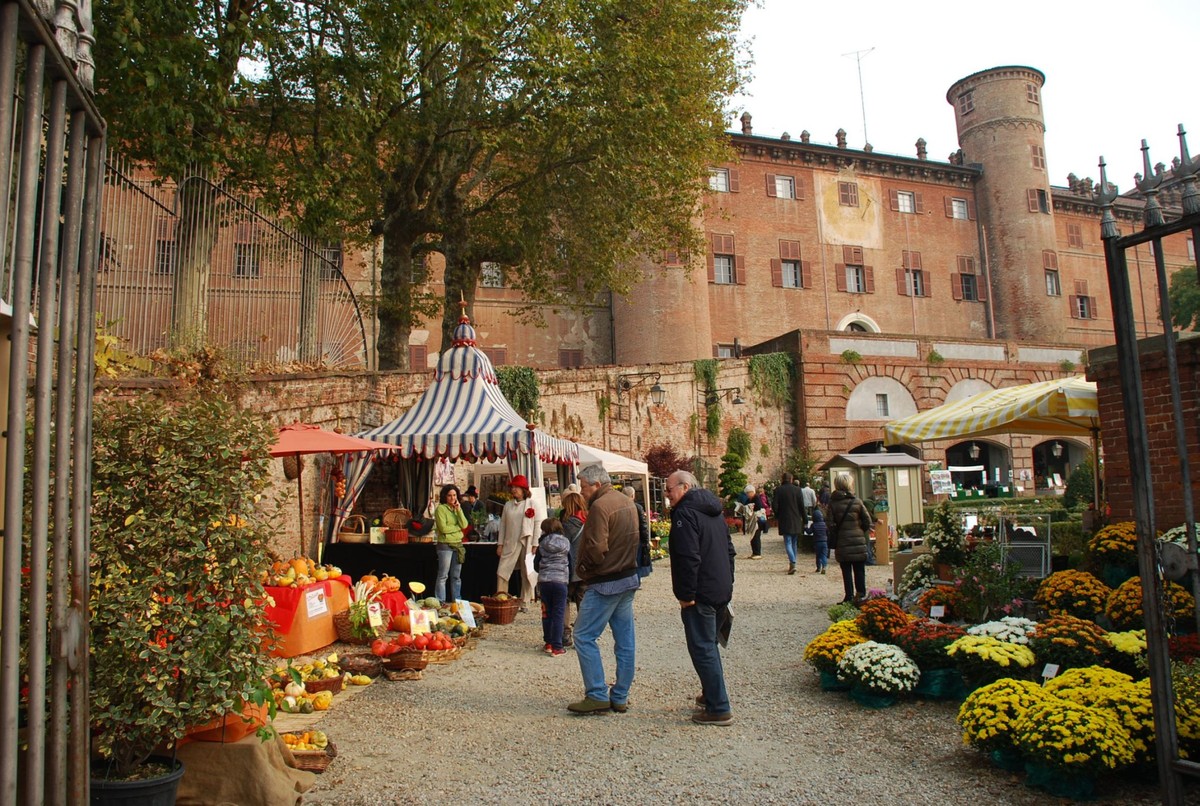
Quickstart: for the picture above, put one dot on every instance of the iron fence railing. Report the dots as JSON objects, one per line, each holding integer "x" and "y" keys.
{"x": 1171, "y": 767}
{"x": 180, "y": 256}
{"x": 51, "y": 163}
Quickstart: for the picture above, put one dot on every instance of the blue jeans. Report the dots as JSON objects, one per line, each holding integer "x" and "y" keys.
{"x": 791, "y": 542}
{"x": 700, "y": 630}
{"x": 595, "y": 612}
{"x": 448, "y": 566}
{"x": 822, "y": 547}
{"x": 554, "y": 612}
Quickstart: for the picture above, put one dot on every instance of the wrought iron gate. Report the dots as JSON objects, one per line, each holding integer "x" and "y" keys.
{"x": 51, "y": 166}
{"x": 1171, "y": 768}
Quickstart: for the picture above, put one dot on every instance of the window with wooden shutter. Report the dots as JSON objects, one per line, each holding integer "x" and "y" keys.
{"x": 868, "y": 274}
{"x": 848, "y": 194}
{"x": 894, "y": 199}
{"x": 497, "y": 355}
{"x": 735, "y": 180}
{"x": 910, "y": 260}
{"x": 839, "y": 272}
{"x": 966, "y": 103}
{"x": 722, "y": 263}
{"x": 1075, "y": 235}
{"x": 771, "y": 190}
{"x": 966, "y": 264}
{"x": 956, "y": 285}
{"x": 1053, "y": 289}
{"x": 777, "y": 272}
{"x": 1049, "y": 259}
{"x": 1031, "y": 94}
{"x": 789, "y": 250}
{"x": 787, "y": 270}
{"x": 672, "y": 257}
{"x": 805, "y": 274}
{"x": 852, "y": 254}
{"x": 919, "y": 203}
{"x": 1081, "y": 287}
{"x": 902, "y": 285}
{"x": 1038, "y": 156}
{"x": 570, "y": 359}
{"x": 1039, "y": 200}
{"x": 718, "y": 180}
{"x": 418, "y": 357}
{"x": 739, "y": 269}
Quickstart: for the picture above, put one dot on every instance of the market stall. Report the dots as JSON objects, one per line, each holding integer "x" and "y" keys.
{"x": 462, "y": 416}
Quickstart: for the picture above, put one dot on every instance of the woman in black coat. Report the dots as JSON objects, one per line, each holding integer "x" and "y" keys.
{"x": 849, "y": 528}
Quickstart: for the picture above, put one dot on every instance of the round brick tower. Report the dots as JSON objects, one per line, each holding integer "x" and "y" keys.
{"x": 998, "y": 113}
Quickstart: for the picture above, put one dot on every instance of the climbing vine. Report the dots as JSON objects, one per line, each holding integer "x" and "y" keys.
{"x": 706, "y": 372}
{"x": 738, "y": 443}
{"x": 771, "y": 377}
{"x": 519, "y": 385}
{"x": 706, "y": 376}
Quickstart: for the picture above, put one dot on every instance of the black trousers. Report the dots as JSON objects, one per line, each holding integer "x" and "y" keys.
{"x": 756, "y": 540}
{"x": 854, "y": 579}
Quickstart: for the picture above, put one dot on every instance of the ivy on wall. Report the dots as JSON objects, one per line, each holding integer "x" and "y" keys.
{"x": 771, "y": 377}
{"x": 519, "y": 385}
{"x": 705, "y": 370}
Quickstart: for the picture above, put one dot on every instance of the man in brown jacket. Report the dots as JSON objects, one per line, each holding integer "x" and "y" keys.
{"x": 607, "y": 564}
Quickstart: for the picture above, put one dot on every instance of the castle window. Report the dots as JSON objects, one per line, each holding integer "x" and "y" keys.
{"x": 491, "y": 275}
{"x": 848, "y": 194}
{"x": 910, "y": 279}
{"x": 1039, "y": 156}
{"x": 497, "y": 355}
{"x": 1053, "y": 288}
{"x": 245, "y": 261}
{"x": 724, "y": 266}
{"x": 881, "y": 405}
{"x": 570, "y": 359}
{"x": 1039, "y": 201}
{"x": 788, "y": 270}
{"x": 723, "y": 269}
{"x": 723, "y": 351}
{"x": 166, "y": 254}
{"x": 718, "y": 180}
{"x": 781, "y": 187}
{"x": 1031, "y": 94}
{"x": 331, "y": 261}
{"x": 1075, "y": 235}
{"x": 903, "y": 201}
{"x": 1082, "y": 305}
{"x": 966, "y": 103}
{"x": 959, "y": 208}
{"x": 965, "y": 283}
{"x": 852, "y": 275}
{"x": 418, "y": 356}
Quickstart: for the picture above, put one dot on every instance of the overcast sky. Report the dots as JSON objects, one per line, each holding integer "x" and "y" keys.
{"x": 1116, "y": 72}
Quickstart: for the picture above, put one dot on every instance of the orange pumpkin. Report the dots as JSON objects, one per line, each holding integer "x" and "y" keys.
{"x": 390, "y": 584}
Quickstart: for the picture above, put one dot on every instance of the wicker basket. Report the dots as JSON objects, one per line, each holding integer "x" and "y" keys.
{"x": 396, "y": 518}
{"x": 420, "y": 538}
{"x": 444, "y": 655}
{"x": 315, "y": 760}
{"x": 354, "y": 530}
{"x": 407, "y": 659}
{"x": 395, "y": 536}
{"x": 345, "y": 632}
{"x": 500, "y": 612}
{"x": 366, "y": 663}
{"x": 334, "y": 684}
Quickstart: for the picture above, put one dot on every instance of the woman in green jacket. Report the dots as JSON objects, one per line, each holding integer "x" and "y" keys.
{"x": 449, "y": 520}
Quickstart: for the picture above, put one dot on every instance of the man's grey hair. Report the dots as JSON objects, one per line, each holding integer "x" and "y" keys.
{"x": 595, "y": 474}
{"x": 629, "y": 491}
{"x": 687, "y": 478}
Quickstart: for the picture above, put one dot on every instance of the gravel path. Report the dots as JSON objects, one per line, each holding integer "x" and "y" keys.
{"x": 492, "y": 727}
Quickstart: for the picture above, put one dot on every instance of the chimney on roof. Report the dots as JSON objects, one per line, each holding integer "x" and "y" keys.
{"x": 921, "y": 152}
{"x": 841, "y": 138}
{"x": 747, "y": 129}
{"x": 867, "y": 147}
{"x": 785, "y": 136}
{"x": 805, "y": 136}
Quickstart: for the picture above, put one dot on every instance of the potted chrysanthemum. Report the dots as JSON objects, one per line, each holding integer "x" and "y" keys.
{"x": 988, "y": 714}
{"x": 825, "y": 651}
{"x": 175, "y": 600}
{"x": 983, "y": 659}
{"x": 1068, "y": 642}
{"x": 926, "y": 642}
{"x": 1124, "y": 605}
{"x": 1066, "y": 745}
{"x": 877, "y": 673}
{"x": 880, "y": 619}
{"x": 1072, "y": 593}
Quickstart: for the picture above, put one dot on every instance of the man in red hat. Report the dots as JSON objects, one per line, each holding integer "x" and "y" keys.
{"x": 517, "y": 532}
{"x": 607, "y": 564}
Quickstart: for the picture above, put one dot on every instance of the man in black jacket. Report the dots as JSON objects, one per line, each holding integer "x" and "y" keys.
{"x": 789, "y": 514}
{"x": 702, "y": 578}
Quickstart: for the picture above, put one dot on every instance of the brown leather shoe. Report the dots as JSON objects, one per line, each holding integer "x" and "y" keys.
{"x": 705, "y": 718}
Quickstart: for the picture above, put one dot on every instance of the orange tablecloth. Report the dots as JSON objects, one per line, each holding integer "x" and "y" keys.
{"x": 297, "y": 617}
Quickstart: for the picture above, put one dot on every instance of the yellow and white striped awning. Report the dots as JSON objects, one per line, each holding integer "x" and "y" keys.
{"x": 1065, "y": 407}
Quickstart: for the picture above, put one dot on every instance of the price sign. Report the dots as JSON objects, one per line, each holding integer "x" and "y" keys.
{"x": 466, "y": 613}
{"x": 1049, "y": 671}
{"x": 375, "y": 614}
{"x": 937, "y": 611}
{"x": 314, "y": 601}
{"x": 419, "y": 619}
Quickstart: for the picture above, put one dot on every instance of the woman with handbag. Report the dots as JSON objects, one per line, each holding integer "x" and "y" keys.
{"x": 849, "y": 526}
{"x": 449, "y": 521}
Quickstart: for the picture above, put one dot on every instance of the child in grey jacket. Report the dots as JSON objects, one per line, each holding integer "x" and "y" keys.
{"x": 553, "y": 565}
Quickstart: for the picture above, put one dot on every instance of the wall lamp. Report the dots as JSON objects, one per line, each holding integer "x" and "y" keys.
{"x": 973, "y": 451}
{"x": 632, "y": 380}
{"x": 713, "y": 396}
{"x": 1057, "y": 449}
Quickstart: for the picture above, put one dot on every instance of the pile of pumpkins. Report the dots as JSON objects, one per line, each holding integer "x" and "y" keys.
{"x": 291, "y": 695}
{"x": 298, "y": 572}
{"x": 384, "y": 584}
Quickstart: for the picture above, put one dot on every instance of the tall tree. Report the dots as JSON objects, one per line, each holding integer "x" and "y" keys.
{"x": 560, "y": 138}
{"x": 170, "y": 86}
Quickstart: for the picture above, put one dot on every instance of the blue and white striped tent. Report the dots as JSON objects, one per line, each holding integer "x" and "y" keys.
{"x": 462, "y": 415}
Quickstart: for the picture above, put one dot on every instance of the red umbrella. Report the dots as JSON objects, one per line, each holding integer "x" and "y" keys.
{"x": 299, "y": 439}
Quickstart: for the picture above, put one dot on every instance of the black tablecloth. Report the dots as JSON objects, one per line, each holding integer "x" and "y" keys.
{"x": 410, "y": 562}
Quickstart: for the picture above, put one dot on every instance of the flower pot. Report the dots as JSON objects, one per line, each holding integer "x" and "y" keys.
{"x": 945, "y": 571}
{"x": 871, "y": 698}
{"x": 941, "y": 684}
{"x": 147, "y": 792}
{"x": 1060, "y": 783}
{"x": 1008, "y": 759}
{"x": 830, "y": 682}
